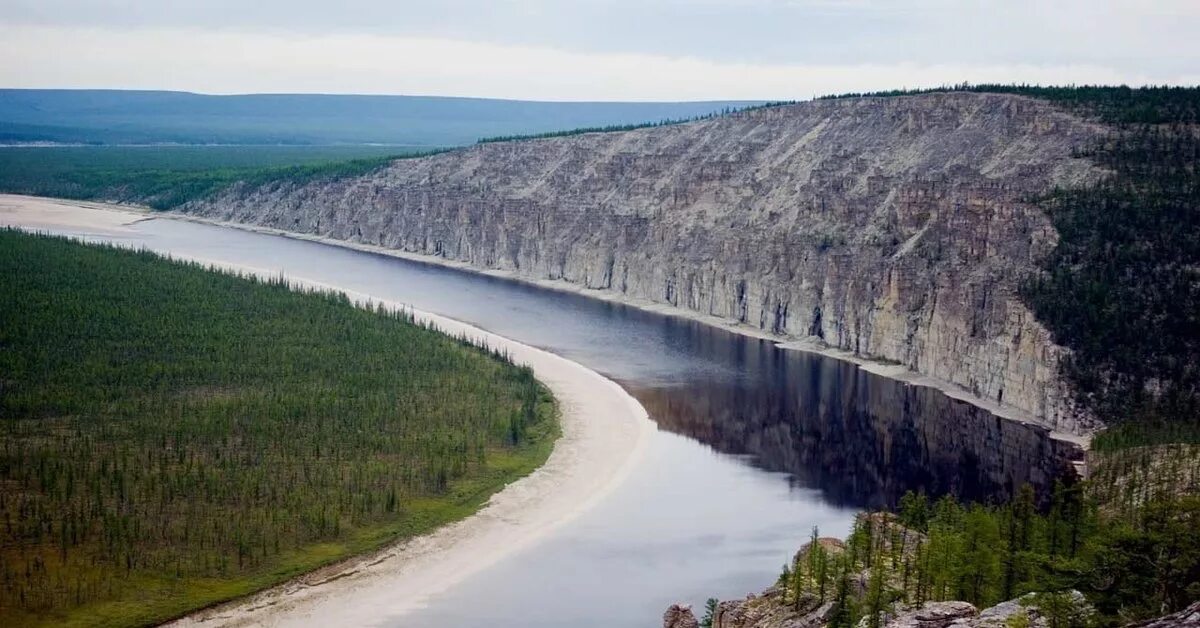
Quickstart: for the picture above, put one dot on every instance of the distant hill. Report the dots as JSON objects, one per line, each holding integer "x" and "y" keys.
{"x": 139, "y": 117}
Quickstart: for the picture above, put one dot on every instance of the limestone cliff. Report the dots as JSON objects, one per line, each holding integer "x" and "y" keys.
{"x": 896, "y": 228}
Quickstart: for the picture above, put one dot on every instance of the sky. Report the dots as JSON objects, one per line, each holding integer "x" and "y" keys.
{"x": 595, "y": 49}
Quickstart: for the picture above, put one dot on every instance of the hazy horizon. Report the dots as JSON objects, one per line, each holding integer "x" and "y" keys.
{"x": 609, "y": 50}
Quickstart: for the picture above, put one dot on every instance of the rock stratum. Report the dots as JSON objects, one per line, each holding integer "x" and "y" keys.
{"x": 895, "y": 228}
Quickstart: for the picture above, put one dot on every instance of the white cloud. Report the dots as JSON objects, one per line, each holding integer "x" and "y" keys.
{"x": 219, "y": 61}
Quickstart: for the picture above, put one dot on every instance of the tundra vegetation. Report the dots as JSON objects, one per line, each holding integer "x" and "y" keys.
{"x": 174, "y": 437}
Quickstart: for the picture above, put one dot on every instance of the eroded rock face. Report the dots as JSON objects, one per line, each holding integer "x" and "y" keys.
{"x": 680, "y": 617}
{"x": 769, "y": 610}
{"x": 896, "y": 228}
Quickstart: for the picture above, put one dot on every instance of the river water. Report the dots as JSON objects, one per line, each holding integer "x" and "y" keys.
{"x": 756, "y": 444}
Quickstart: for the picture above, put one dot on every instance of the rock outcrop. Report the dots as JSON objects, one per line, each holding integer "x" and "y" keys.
{"x": 769, "y": 610}
{"x": 935, "y": 615}
{"x": 895, "y": 228}
{"x": 1186, "y": 618}
{"x": 680, "y": 617}
{"x": 774, "y": 608}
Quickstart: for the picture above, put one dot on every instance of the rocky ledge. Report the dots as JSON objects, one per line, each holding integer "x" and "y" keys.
{"x": 768, "y": 611}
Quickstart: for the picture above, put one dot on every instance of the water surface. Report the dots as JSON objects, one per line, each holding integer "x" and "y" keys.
{"x": 756, "y": 444}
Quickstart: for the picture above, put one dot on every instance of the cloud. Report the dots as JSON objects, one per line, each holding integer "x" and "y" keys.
{"x": 1134, "y": 35}
{"x": 219, "y": 61}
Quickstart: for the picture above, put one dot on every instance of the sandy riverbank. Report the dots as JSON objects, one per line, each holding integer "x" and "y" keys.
{"x": 604, "y": 431}
{"x": 82, "y": 217}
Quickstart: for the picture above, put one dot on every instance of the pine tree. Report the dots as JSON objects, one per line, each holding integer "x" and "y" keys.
{"x": 875, "y": 603}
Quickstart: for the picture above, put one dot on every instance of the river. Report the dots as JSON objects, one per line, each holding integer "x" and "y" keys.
{"x": 756, "y": 445}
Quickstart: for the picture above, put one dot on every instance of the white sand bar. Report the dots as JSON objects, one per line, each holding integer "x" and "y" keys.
{"x": 604, "y": 431}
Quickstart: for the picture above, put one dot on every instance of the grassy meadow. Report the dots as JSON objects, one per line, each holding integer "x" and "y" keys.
{"x": 174, "y": 437}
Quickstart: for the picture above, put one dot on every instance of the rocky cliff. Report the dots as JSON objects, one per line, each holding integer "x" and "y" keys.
{"x": 896, "y": 228}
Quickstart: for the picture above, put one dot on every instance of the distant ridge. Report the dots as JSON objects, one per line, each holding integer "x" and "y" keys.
{"x": 149, "y": 117}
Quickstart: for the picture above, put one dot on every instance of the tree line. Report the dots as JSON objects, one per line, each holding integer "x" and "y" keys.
{"x": 613, "y": 128}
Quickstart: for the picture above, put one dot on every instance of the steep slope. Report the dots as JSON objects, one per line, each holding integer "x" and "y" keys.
{"x": 895, "y": 228}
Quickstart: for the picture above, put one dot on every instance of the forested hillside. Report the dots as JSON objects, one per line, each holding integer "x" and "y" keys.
{"x": 173, "y": 437}
{"x": 985, "y": 566}
{"x": 1122, "y": 287}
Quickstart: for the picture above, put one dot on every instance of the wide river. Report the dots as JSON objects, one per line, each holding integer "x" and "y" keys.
{"x": 756, "y": 444}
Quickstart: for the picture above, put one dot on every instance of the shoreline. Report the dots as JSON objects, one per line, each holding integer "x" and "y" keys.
{"x": 897, "y": 372}
{"x": 604, "y": 433}
{"x": 889, "y": 370}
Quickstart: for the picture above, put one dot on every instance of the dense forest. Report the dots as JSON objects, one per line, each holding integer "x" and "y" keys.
{"x": 1126, "y": 569}
{"x": 174, "y": 436}
{"x": 163, "y": 177}
{"x": 1121, "y": 288}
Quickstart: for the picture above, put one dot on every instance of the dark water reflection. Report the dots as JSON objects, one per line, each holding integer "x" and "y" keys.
{"x": 863, "y": 440}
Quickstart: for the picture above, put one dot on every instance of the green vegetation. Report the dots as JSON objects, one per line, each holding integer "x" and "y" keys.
{"x": 710, "y": 611}
{"x": 1119, "y": 104}
{"x": 1122, "y": 289}
{"x": 163, "y": 177}
{"x": 174, "y": 437}
{"x": 1127, "y": 568}
{"x": 612, "y": 128}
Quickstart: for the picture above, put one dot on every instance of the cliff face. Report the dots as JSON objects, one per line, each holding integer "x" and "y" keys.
{"x": 897, "y": 228}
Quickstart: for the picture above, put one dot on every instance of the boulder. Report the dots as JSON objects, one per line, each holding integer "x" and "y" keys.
{"x": 934, "y": 615}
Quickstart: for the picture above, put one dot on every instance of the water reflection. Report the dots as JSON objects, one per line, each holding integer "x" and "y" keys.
{"x": 862, "y": 439}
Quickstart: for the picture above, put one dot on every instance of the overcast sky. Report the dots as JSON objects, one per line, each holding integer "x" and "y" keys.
{"x": 592, "y": 50}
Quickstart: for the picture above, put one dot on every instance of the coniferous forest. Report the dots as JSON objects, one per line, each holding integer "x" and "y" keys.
{"x": 1120, "y": 288}
{"x": 174, "y": 436}
{"x": 1127, "y": 569}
